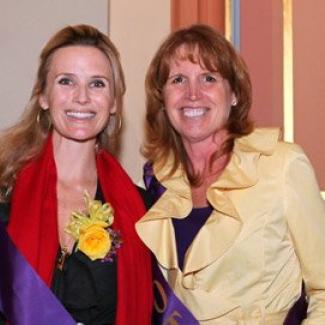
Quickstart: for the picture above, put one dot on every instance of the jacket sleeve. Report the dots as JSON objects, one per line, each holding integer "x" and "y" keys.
{"x": 305, "y": 213}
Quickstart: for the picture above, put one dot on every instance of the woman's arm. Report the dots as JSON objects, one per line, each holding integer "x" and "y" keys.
{"x": 305, "y": 212}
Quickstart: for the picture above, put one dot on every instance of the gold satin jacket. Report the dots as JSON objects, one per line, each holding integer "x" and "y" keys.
{"x": 266, "y": 234}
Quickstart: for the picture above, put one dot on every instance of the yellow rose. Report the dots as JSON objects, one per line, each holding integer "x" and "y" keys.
{"x": 95, "y": 242}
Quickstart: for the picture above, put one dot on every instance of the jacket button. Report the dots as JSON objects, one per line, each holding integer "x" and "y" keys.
{"x": 188, "y": 282}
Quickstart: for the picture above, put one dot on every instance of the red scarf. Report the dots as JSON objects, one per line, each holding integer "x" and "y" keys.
{"x": 33, "y": 228}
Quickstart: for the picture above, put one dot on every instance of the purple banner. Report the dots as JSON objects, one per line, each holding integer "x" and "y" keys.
{"x": 169, "y": 310}
{"x": 151, "y": 183}
{"x": 24, "y": 297}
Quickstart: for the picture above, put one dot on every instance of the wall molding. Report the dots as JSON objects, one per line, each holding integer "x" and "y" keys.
{"x": 232, "y": 22}
{"x": 288, "y": 83}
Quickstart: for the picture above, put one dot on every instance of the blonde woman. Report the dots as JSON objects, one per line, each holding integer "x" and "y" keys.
{"x": 69, "y": 205}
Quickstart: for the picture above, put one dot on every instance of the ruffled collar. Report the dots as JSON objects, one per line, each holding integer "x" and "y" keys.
{"x": 241, "y": 172}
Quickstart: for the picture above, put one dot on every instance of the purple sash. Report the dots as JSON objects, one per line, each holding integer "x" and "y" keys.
{"x": 24, "y": 297}
{"x": 169, "y": 310}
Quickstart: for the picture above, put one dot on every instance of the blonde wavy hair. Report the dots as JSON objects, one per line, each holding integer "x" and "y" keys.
{"x": 210, "y": 49}
{"x": 24, "y": 140}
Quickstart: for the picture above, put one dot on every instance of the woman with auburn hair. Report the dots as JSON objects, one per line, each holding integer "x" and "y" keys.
{"x": 69, "y": 207}
{"x": 238, "y": 223}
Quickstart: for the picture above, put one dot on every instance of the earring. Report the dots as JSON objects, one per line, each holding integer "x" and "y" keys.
{"x": 234, "y": 102}
{"x": 120, "y": 124}
{"x": 38, "y": 117}
{"x": 40, "y": 120}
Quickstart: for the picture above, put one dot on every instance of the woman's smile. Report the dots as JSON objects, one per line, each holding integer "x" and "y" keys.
{"x": 194, "y": 112}
{"x": 80, "y": 115}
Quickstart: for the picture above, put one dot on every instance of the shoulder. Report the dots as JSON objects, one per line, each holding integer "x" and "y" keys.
{"x": 267, "y": 142}
{"x": 263, "y": 154}
{"x": 291, "y": 156}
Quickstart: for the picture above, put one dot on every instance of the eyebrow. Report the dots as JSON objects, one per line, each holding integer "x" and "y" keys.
{"x": 176, "y": 75}
{"x": 101, "y": 77}
{"x": 69, "y": 74}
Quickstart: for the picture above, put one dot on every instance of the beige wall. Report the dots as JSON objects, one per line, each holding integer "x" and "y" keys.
{"x": 137, "y": 28}
{"x": 24, "y": 28}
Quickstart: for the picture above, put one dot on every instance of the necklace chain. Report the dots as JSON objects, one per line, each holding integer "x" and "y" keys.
{"x": 62, "y": 258}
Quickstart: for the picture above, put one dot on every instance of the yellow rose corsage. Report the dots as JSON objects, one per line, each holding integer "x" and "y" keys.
{"x": 91, "y": 230}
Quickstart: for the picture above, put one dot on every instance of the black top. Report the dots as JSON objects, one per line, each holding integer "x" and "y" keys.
{"x": 4, "y": 213}
{"x": 86, "y": 288}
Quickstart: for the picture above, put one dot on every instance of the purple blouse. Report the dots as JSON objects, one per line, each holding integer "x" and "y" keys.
{"x": 187, "y": 228}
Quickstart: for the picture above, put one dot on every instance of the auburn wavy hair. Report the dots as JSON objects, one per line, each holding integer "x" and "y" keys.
{"x": 24, "y": 140}
{"x": 211, "y": 50}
